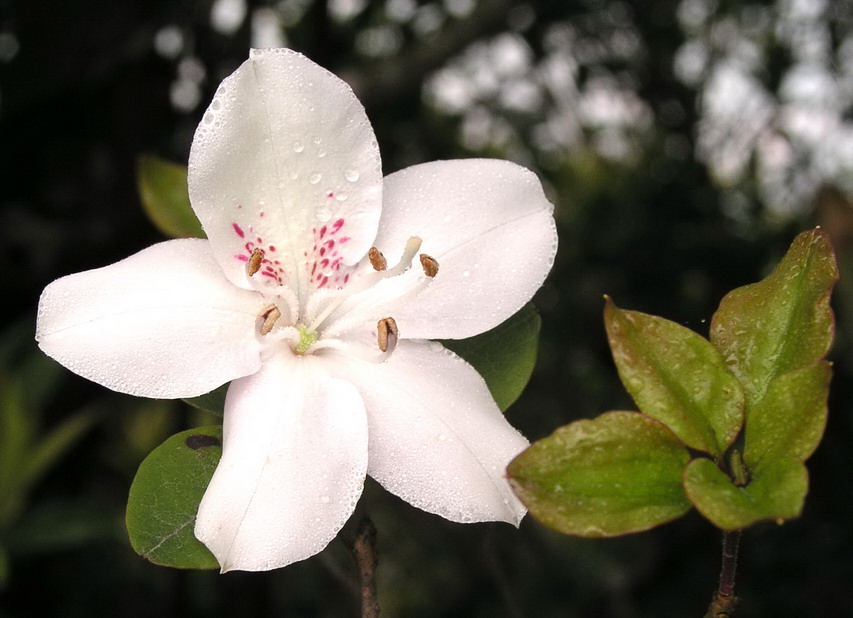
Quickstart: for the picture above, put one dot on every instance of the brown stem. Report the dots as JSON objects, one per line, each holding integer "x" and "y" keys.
{"x": 364, "y": 551}
{"x": 724, "y": 603}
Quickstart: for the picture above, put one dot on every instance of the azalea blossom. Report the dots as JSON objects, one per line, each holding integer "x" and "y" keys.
{"x": 316, "y": 295}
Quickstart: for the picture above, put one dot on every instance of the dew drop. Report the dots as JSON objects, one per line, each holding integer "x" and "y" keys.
{"x": 351, "y": 174}
{"x": 314, "y": 178}
{"x": 341, "y": 197}
{"x": 298, "y": 147}
{"x": 466, "y": 273}
{"x": 323, "y": 214}
{"x": 315, "y": 139}
{"x": 321, "y": 153}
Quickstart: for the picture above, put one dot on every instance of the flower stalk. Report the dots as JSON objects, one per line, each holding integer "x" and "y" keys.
{"x": 363, "y": 549}
{"x": 724, "y": 603}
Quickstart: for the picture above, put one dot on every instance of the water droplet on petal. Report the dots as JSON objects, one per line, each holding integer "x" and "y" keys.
{"x": 314, "y": 178}
{"x": 351, "y": 174}
{"x": 298, "y": 147}
{"x": 324, "y": 214}
{"x": 341, "y": 197}
{"x": 321, "y": 153}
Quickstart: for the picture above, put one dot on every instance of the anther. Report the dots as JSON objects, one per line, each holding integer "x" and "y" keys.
{"x": 429, "y": 264}
{"x": 377, "y": 260}
{"x": 387, "y": 333}
{"x": 254, "y": 263}
{"x": 270, "y": 315}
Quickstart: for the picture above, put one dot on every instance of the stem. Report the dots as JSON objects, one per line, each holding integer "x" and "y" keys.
{"x": 364, "y": 551}
{"x": 724, "y": 602}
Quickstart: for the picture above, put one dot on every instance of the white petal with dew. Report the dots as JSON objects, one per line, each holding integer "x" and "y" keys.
{"x": 293, "y": 465}
{"x": 162, "y": 323}
{"x": 437, "y": 439}
{"x": 286, "y": 160}
{"x": 491, "y": 229}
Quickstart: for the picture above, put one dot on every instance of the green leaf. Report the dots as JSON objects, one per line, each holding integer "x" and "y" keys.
{"x": 165, "y": 495}
{"x": 615, "y": 474}
{"x": 505, "y": 355}
{"x": 677, "y": 377}
{"x": 783, "y": 322}
{"x": 776, "y": 491}
{"x": 213, "y": 402}
{"x": 164, "y": 195}
{"x": 790, "y": 419}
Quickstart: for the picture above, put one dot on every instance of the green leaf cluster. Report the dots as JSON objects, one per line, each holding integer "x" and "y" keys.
{"x": 725, "y": 424}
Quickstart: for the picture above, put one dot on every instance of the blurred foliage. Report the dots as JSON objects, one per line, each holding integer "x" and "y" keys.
{"x": 644, "y": 214}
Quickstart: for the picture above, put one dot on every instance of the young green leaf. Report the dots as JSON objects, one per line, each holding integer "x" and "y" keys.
{"x": 790, "y": 419}
{"x": 505, "y": 355}
{"x": 165, "y": 495}
{"x": 783, "y": 322}
{"x": 776, "y": 491}
{"x": 677, "y": 377}
{"x": 213, "y": 402}
{"x": 615, "y": 474}
{"x": 165, "y": 198}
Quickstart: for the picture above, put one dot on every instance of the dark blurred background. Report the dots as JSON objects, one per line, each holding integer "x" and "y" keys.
{"x": 684, "y": 144}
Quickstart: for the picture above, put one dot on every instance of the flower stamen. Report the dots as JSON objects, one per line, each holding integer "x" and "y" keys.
{"x": 377, "y": 260}
{"x": 370, "y": 279}
{"x": 254, "y": 263}
{"x": 429, "y": 264}
{"x": 269, "y": 315}
{"x": 387, "y": 334}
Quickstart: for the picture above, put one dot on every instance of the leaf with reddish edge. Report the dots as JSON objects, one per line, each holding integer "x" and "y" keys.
{"x": 776, "y": 491}
{"x": 165, "y": 197}
{"x": 677, "y": 377}
{"x": 790, "y": 418}
{"x": 783, "y": 322}
{"x": 616, "y": 474}
{"x": 164, "y": 499}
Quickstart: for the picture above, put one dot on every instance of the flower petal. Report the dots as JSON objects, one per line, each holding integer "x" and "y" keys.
{"x": 162, "y": 323}
{"x": 293, "y": 465}
{"x": 491, "y": 229}
{"x": 437, "y": 439}
{"x": 285, "y": 160}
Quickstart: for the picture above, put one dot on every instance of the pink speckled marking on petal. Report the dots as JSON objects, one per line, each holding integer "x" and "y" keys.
{"x": 271, "y": 268}
{"x": 327, "y": 269}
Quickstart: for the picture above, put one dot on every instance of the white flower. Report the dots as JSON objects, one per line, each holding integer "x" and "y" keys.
{"x": 333, "y": 374}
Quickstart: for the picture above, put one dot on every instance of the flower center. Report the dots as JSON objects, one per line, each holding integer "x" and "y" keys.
{"x": 307, "y": 338}
{"x": 336, "y": 312}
